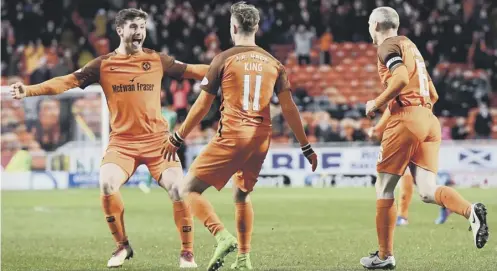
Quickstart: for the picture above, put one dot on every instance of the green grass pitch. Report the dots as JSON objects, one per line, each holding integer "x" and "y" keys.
{"x": 295, "y": 229}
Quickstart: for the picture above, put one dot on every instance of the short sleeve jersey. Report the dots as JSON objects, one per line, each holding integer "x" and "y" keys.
{"x": 132, "y": 85}
{"x": 397, "y": 51}
{"x": 248, "y": 76}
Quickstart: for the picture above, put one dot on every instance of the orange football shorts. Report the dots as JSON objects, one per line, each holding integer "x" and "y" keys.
{"x": 413, "y": 135}
{"x": 223, "y": 158}
{"x": 129, "y": 153}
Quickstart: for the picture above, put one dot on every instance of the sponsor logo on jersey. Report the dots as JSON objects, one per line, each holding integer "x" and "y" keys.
{"x": 132, "y": 87}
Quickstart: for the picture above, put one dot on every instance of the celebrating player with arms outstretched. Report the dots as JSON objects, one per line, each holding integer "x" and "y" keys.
{"x": 131, "y": 80}
{"x": 411, "y": 137}
{"x": 248, "y": 76}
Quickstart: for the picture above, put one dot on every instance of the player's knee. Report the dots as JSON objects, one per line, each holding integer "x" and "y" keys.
{"x": 111, "y": 178}
{"x": 427, "y": 198}
{"x": 427, "y": 192}
{"x": 240, "y": 195}
{"x": 108, "y": 187}
{"x": 173, "y": 192}
{"x": 385, "y": 185}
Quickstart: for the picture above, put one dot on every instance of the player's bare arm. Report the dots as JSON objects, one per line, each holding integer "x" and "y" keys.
{"x": 292, "y": 116}
{"x": 86, "y": 76}
{"x": 197, "y": 112}
{"x": 210, "y": 85}
{"x": 399, "y": 79}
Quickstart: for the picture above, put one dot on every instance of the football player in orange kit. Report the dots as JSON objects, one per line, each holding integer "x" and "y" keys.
{"x": 411, "y": 137}
{"x": 131, "y": 77}
{"x": 248, "y": 77}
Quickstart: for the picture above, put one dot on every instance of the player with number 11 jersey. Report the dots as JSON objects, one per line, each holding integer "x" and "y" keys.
{"x": 248, "y": 76}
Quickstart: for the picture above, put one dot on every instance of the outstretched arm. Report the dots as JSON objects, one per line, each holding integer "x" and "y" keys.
{"x": 197, "y": 112}
{"x": 53, "y": 86}
{"x": 177, "y": 69}
{"x": 84, "y": 77}
{"x": 195, "y": 71}
{"x": 210, "y": 85}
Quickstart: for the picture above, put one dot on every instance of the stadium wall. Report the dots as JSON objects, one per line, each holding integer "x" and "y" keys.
{"x": 76, "y": 163}
{"x": 467, "y": 164}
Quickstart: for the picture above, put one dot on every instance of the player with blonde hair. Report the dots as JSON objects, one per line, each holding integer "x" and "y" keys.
{"x": 248, "y": 76}
{"x": 130, "y": 77}
{"x": 411, "y": 138}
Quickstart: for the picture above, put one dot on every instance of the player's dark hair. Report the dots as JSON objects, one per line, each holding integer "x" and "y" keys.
{"x": 129, "y": 14}
{"x": 247, "y": 16}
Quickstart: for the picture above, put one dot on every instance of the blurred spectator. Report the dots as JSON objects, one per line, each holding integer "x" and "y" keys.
{"x": 180, "y": 91}
{"x": 325, "y": 42}
{"x": 350, "y": 131}
{"x": 48, "y": 131}
{"x": 460, "y": 131}
{"x": 324, "y": 131}
{"x": 483, "y": 122}
{"x": 303, "y": 42}
{"x": 32, "y": 55}
{"x": 42, "y": 39}
{"x": 14, "y": 158}
{"x": 41, "y": 73}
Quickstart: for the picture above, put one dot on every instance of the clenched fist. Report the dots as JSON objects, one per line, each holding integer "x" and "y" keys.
{"x": 18, "y": 90}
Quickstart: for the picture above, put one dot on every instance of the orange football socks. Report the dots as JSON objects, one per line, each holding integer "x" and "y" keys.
{"x": 385, "y": 225}
{"x": 184, "y": 223}
{"x": 114, "y": 214}
{"x": 406, "y": 190}
{"x": 204, "y": 211}
{"x": 244, "y": 217}
{"x": 449, "y": 198}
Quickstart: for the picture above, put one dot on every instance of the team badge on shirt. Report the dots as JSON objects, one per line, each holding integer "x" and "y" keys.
{"x": 146, "y": 66}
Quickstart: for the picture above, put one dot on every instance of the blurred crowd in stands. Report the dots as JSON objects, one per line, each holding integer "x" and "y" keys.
{"x": 325, "y": 39}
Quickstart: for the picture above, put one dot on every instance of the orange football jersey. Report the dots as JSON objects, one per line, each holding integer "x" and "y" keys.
{"x": 248, "y": 76}
{"x": 132, "y": 85}
{"x": 401, "y": 50}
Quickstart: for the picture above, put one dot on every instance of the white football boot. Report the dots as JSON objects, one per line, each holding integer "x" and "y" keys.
{"x": 186, "y": 260}
{"x": 478, "y": 221}
{"x": 374, "y": 262}
{"x": 122, "y": 253}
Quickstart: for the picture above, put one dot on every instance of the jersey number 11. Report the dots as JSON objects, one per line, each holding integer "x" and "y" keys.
{"x": 246, "y": 92}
